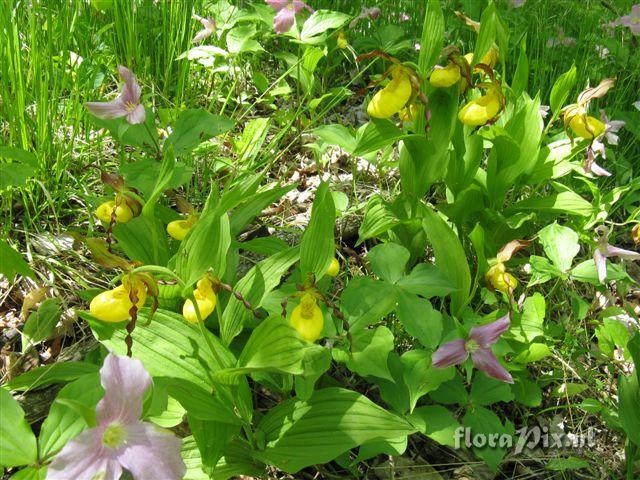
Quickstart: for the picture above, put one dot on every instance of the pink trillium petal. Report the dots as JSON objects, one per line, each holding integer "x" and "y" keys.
{"x": 612, "y": 251}
{"x": 83, "y": 458}
{"x": 283, "y": 21}
{"x": 107, "y": 110}
{"x": 486, "y": 361}
{"x": 152, "y": 453}
{"x": 202, "y": 35}
{"x": 125, "y": 381}
{"x": 451, "y": 353}
{"x": 601, "y": 264}
{"x": 298, "y": 5}
{"x": 278, "y": 4}
{"x": 487, "y": 335}
{"x": 136, "y": 116}
{"x": 131, "y": 90}
{"x": 372, "y": 13}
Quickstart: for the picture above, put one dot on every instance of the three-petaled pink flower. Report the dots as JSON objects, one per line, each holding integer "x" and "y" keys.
{"x": 604, "y": 251}
{"x": 479, "y": 347}
{"x": 126, "y": 105}
{"x": 120, "y": 440}
{"x": 286, "y": 13}
{"x": 632, "y": 20}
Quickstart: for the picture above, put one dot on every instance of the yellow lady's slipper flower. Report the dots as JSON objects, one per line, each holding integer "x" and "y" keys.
{"x": 587, "y": 127}
{"x": 178, "y": 229}
{"x": 481, "y": 110}
{"x": 342, "y": 40}
{"x": 123, "y": 212}
{"x": 491, "y": 57}
{"x": 307, "y": 318}
{"x": 205, "y": 298}
{"x": 393, "y": 97}
{"x": 443, "y": 77}
{"x": 114, "y": 305}
{"x": 500, "y": 279}
{"x": 635, "y": 234}
{"x": 334, "y": 268}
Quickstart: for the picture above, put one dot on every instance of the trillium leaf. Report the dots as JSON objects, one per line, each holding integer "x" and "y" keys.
{"x": 17, "y": 441}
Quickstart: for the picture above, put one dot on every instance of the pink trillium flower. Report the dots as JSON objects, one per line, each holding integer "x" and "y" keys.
{"x": 120, "y": 440}
{"x": 209, "y": 25}
{"x": 286, "y": 13}
{"x": 604, "y": 251}
{"x": 561, "y": 39}
{"x": 632, "y": 20}
{"x": 126, "y": 105}
{"x": 479, "y": 347}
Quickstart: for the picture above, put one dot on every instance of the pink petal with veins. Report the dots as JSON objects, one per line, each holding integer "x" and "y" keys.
{"x": 283, "y": 21}
{"x": 451, "y": 353}
{"x": 601, "y": 264}
{"x": 485, "y": 360}
{"x": 487, "y": 335}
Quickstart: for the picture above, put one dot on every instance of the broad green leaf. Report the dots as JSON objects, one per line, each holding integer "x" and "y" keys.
{"x": 369, "y": 352}
{"x": 420, "y": 377}
{"x": 321, "y": 21}
{"x": 450, "y": 257}
{"x": 567, "y": 202}
{"x": 240, "y": 39}
{"x": 317, "y": 245}
{"x": 526, "y": 392}
{"x": 254, "y": 286}
{"x": 521, "y": 75}
{"x": 172, "y": 416}
{"x": 560, "y": 244}
{"x": 388, "y": 261}
{"x": 253, "y": 136}
{"x": 41, "y": 323}
{"x": 437, "y": 423}
{"x": 202, "y": 404}
{"x": 31, "y": 473}
{"x": 315, "y": 363}
{"x": 63, "y": 422}
{"x": 15, "y": 174}
{"x": 50, "y": 374}
{"x": 586, "y": 272}
{"x": 366, "y": 301}
{"x": 204, "y": 248}
{"x": 193, "y": 127}
{"x": 451, "y": 392}
{"x": 485, "y": 423}
{"x": 487, "y": 391}
{"x": 255, "y": 204}
{"x": 561, "y": 89}
{"x": 333, "y": 421}
{"x": 427, "y": 281}
{"x": 274, "y": 345}
{"x": 378, "y": 218}
{"x": 138, "y": 135}
{"x": 171, "y": 347}
{"x": 336, "y": 134}
{"x": 392, "y": 446}
{"x": 532, "y": 320}
{"x": 143, "y": 239}
{"x": 542, "y": 270}
{"x": 420, "y": 320}
{"x": 17, "y": 441}
{"x": 629, "y": 406}
{"x": 12, "y": 263}
{"x": 377, "y": 134}
{"x": 533, "y": 353}
{"x": 212, "y": 439}
{"x": 568, "y": 389}
{"x": 144, "y": 175}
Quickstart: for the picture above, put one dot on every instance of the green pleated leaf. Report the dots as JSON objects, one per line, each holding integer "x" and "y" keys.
{"x": 450, "y": 257}
{"x": 171, "y": 347}
{"x": 317, "y": 246}
{"x": 17, "y": 441}
{"x": 205, "y": 247}
{"x": 334, "y": 420}
{"x": 49, "y": 374}
{"x": 377, "y": 134}
{"x": 254, "y": 286}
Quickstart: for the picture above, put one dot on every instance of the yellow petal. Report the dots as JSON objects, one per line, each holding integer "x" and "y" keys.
{"x": 445, "y": 77}
{"x": 178, "y": 229}
{"x": 114, "y": 305}
{"x": 307, "y": 319}
{"x": 205, "y": 298}
{"x": 391, "y": 98}
{"x": 334, "y": 268}
{"x": 586, "y": 126}
{"x": 123, "y": 212}
{"x": 481, "y": 110}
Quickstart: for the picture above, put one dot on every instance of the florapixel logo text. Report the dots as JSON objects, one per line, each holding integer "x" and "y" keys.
{"x": 525, "y": 437}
